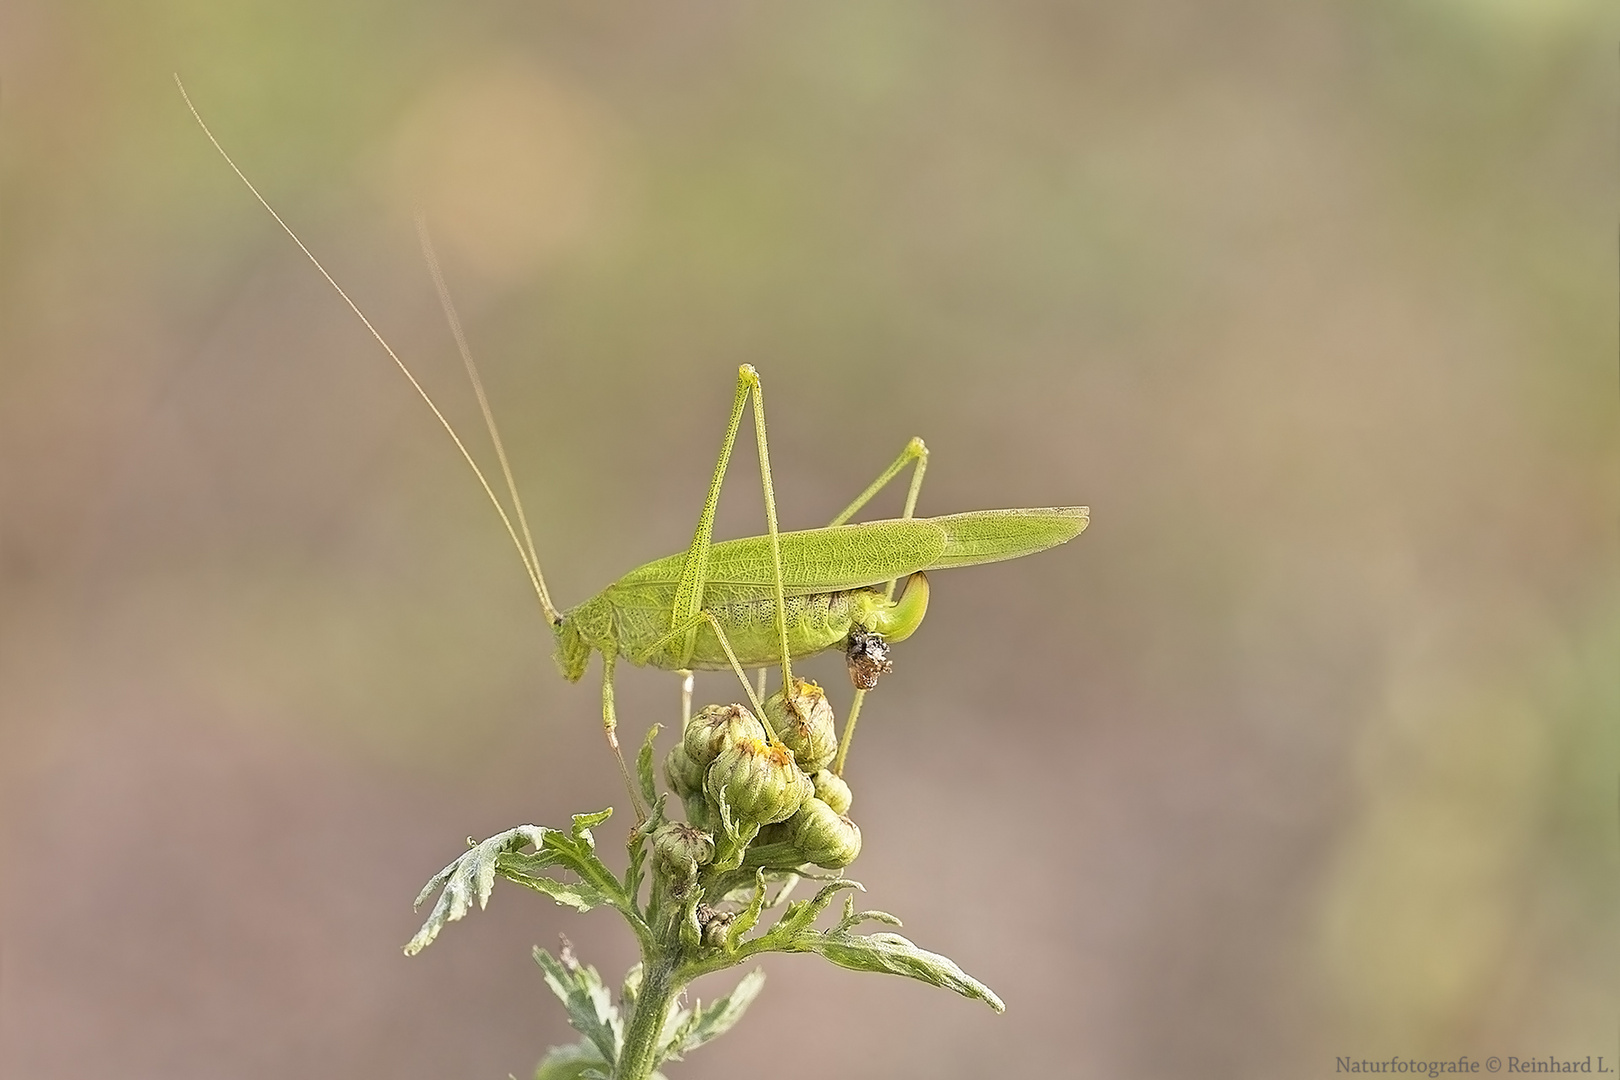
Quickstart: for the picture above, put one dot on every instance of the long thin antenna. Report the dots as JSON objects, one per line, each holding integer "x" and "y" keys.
{"x": 523, "y": 553}
{"x": 443, "y": 289}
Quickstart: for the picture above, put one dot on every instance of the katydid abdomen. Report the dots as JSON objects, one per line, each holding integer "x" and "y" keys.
{"x": 815, "y": 622}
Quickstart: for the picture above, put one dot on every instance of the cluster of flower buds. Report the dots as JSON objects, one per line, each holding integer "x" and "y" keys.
{"x": 781, "y": 786}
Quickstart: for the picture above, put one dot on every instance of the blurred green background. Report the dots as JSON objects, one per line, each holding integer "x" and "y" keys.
{"x": 1306, "y": 748}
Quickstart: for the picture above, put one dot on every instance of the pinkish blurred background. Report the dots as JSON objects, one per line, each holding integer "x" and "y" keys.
{"x": 1307, "y": 748}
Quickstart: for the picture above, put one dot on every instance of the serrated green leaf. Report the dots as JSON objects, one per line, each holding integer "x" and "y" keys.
{"x": 644, "y": 765}
{"x": 871, "y": 916}
{"x": 748, "y": 916}
{"x": 574, "y": 894}
{"x": 675, "y": 1033}
{"x": 469, "y": 879}
{"x": 515, "y": 864}
{"x": 892, "y": 954}
{"x": 712, "y": 1022}
{"x": 634, "y": 873}
{"x": 853, "y": 918}
{"x": 589, "y": 1003}
{"x": 584, "y": 823}
{"x": 576, "y": 851}
{"x": 801, "y": 913}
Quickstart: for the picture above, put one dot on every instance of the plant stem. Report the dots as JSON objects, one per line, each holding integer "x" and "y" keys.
{"x": 658, "y": 988}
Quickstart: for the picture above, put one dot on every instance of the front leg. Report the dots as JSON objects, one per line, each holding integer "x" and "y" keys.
{"x": 610, "y": 725}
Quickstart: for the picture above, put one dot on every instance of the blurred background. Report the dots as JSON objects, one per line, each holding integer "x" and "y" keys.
{"x": 1306, "y": 748}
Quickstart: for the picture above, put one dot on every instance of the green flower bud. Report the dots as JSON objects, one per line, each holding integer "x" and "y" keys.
{"x": 715, "y": 924}
{"x": 824, "y": 836}
{"x": 760, "y": 782}
{"x": 804, "y": 721}
{"x": 680, "y": 849}
{"x": 831, "y": 789}
{"x": 715, "y": 728}
{"x": 684, "y": 775}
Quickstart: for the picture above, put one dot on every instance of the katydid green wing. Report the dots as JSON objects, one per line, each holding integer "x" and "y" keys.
{"x": 870, "y": 552}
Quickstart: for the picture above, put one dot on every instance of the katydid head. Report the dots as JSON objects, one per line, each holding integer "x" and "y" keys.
{"x": 581, "y": 631}
{"x": 573, "y": 651}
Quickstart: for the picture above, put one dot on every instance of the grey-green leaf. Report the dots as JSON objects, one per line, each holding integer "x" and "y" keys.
{"x": 802, "y": 913}
{"x": 892, "y": 954}
{"x": 853, "y": 918}
{"x": 721, "y": 1014}
{"x": 748, "y": 917}
{"x": 589, "y": 1003}
{"x": 584, "y": 823}
{"x": 574, "y": 894}
{"x": 470, "y": 878}
{"x": 644, "y": 766}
